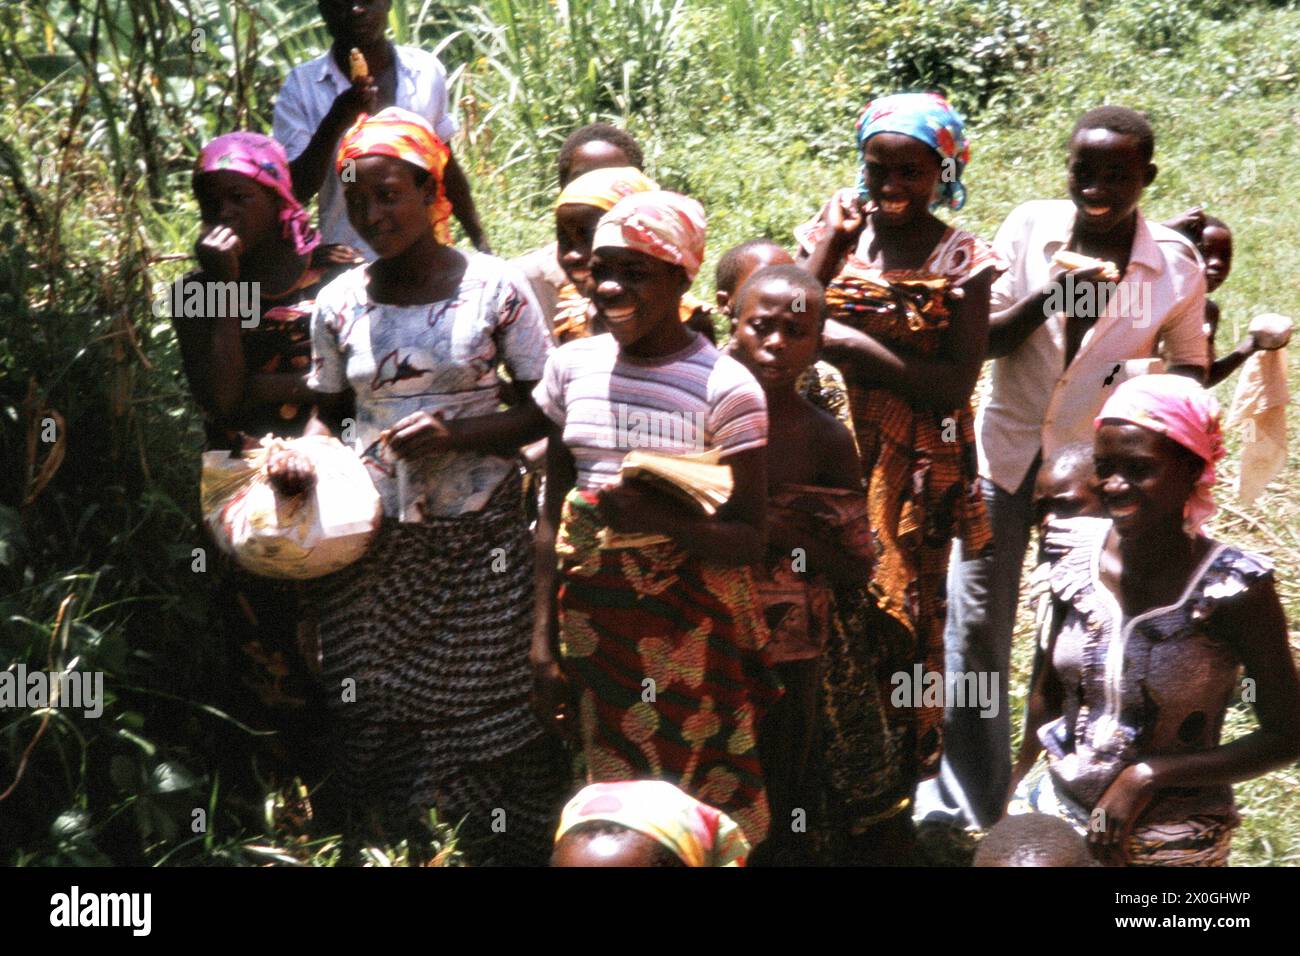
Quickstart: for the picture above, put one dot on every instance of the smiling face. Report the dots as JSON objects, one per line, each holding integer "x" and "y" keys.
{"x": 1216, "y": 250}
{"x": 386, "y": 207}
{"x": 902, "y": 176}
{"x": 1143, "y": 478}
{"x": 359, "y": 23}
{"x": 247, "y": 208}
{"x": 637, "y": 297}
{"x": 774, "y": 338}
{"x": 575, "y": 227}
{"x": 1107, "y": 174}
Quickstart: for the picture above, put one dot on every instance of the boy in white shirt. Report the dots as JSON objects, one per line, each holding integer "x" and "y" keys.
{"x": 319, "y": 102}
{"x": 1061, "y": 341}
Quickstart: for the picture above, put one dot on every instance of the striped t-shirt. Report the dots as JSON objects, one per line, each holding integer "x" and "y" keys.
{"x": 609, "y": 403}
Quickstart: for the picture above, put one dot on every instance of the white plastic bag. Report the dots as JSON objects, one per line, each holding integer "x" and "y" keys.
{"x": 305, "y": 536}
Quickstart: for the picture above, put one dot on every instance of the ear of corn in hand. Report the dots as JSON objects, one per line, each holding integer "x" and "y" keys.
{"x": 358, "y": 65}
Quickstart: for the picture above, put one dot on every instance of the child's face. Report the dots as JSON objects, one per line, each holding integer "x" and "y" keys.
{"x": 575, "y": 227}
{"x": 634, "y": 293}
{"x": 757, "y": 257}
{"x": 1216, "y": 250}
{"x": 355, "y": 22}
{"x": 247, "y": 208}
{"x": 1065, "y": 491}
{"x": 902, "y": 176}
{"x": 595, "y": 154}
{"x": 385, "y": 206}
{"x": 1106, "y": 176}
{"x": 778, "y": 333}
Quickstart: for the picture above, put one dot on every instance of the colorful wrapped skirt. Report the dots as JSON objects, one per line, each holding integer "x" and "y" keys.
{"x": 666, "y": 653}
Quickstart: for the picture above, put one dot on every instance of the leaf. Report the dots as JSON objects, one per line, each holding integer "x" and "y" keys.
{"x": 125, "y": 773}
{"x": 170, "y": 777}
{"x": 70, "y": 826}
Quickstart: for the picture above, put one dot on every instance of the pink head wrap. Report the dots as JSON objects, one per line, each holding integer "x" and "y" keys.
{"x": 1182, "y": 411}
{"x": 667, "y": 226}
{"x": 262, "y": 160}
{"x": 700, "y": 835}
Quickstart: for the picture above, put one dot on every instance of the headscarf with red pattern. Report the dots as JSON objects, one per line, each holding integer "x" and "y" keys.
{"x": 661, "y": 224}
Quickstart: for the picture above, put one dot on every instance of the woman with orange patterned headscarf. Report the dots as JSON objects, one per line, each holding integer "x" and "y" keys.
{"x": 432, "y": 626}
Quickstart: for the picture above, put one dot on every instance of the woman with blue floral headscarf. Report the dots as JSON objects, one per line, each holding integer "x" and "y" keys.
{"x": 907, "y": 304}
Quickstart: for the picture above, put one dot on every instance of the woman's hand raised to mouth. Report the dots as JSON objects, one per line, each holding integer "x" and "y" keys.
{"x": 218, "y": 251}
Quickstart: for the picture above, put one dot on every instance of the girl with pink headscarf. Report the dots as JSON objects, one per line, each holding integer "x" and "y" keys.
{"x": 247, "y": 355}
{"x": 243, "y": 323}
{"x": 1151, "y": 623}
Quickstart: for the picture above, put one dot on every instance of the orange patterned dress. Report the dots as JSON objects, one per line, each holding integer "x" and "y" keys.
{"x": 923, "y": 487}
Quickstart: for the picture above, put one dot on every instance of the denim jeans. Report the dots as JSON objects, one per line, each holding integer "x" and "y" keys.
{"x": 983, "y": 592}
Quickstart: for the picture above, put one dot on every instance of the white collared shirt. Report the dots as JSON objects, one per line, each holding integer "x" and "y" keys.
{"x": 1036, "y": 403}
{"x": 307, "y": 96}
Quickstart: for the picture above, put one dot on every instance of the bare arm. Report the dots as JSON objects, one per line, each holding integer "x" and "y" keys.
{"x": 1194, "y": 372}
{"x": 839, "y": 468}
{"x": 456, "y": 187}
{"x": 1257, "y": 627}
{"x": 314, "y": 163}
{"x": 551, "y": 700}
{"x": 500, "y": 433}
{"x": 1010, "y": 327}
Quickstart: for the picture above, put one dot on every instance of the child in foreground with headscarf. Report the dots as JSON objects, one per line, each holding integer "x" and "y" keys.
{"x": 425, "y": 639}
{"x": 662, "y": 644}
{"x": 645, "y": 823}
{"x": 577, "y": 211}
{"x": 1152, "y": 622}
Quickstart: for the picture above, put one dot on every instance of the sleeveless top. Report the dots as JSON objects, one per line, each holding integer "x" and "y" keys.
{"x": 1157, "y": 684}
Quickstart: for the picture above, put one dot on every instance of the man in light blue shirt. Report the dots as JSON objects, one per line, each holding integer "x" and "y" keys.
{"x": 319, "y": 102}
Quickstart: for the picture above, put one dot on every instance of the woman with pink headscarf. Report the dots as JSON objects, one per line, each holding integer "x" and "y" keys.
{"x": 1151, "y": 622}
{"x": 247, "y": 354}
{"x": 242, "y": 320}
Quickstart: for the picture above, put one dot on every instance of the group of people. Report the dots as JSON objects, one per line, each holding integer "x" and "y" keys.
{"x": 751, "y": 657}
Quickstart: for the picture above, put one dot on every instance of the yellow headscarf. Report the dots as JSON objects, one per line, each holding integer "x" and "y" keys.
{"x": 700, "y": 835}
{"x": 603, "y": 188}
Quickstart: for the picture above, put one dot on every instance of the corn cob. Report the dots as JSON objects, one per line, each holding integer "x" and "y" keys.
{"x": 358, "y": 65}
